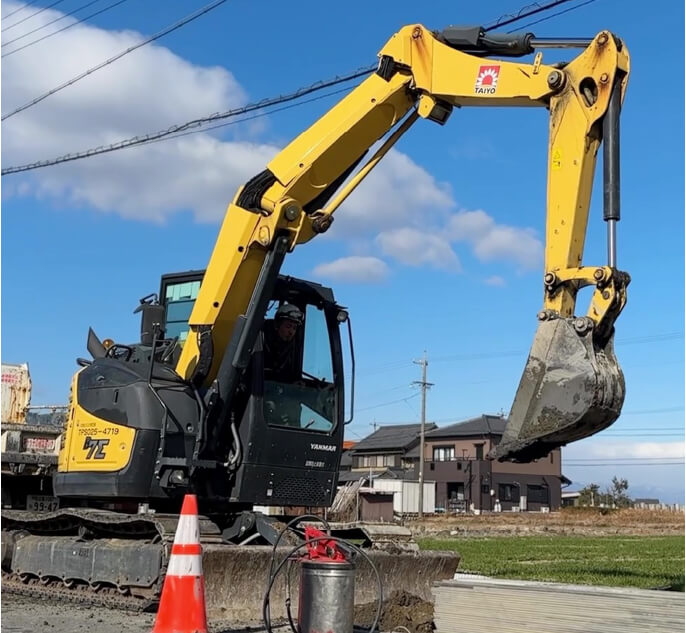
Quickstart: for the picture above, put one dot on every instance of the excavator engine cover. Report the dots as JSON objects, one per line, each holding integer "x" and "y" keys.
{"x": 572, "y": 387}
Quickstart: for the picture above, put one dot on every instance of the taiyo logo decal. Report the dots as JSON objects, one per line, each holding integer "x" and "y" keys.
{"x": 487, "y": 80}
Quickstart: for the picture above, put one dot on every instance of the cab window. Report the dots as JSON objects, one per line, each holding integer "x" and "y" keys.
{"x": 179, "y": 299}
{"x": 308, "y": 402}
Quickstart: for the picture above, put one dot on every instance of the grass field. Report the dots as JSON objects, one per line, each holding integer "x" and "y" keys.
{"x": 628, "y": 561}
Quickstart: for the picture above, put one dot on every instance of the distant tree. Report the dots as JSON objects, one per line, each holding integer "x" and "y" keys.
{"x": 590, "y": 495}
{"x": 618, "y": 491}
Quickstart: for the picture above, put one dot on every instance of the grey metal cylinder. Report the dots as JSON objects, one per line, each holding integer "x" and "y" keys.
{"x": 327, "y": 594}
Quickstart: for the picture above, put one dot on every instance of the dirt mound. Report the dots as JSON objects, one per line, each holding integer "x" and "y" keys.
{"x": 582, "y": 521}
{"x": 400, "y": 609}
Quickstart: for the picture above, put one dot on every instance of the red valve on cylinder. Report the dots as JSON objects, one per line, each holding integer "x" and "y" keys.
{"x": 322, "y": 549}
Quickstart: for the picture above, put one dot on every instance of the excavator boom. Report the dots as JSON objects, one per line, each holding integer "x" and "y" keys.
{"x": 572, "y": 385}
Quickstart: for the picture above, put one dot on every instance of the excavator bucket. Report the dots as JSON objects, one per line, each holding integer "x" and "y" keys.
{"x": 572, "y": 387}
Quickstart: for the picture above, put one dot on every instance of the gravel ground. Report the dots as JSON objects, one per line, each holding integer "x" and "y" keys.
{"x": 24, "y": 615}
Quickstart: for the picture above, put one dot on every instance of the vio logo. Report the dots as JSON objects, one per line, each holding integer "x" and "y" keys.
{"x": 95, "y": 448}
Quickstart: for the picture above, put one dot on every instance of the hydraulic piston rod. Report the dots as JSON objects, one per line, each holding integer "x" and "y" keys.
{"x": 611, "y": 209}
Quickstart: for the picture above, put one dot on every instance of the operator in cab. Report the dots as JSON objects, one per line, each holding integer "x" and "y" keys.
{"x": 282, "y": 357}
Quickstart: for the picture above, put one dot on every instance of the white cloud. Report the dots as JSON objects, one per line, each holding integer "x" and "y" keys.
{"x": 414, "y": 248}
{"x": 400, "y": 208}
{"x": 148, "y": 90}
{"x": 492, "y": 241}
{"x": 494, "y": 280}
{"x": 397, "y": 193}
{"x": 355, "y": 269}
{"x": 605, "y": 447}
{"x": 639, "y": 449}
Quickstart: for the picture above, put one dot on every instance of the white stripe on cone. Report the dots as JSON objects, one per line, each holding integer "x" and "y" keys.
{"x": 185, "y": 565}
{"x": 187, "y": 530}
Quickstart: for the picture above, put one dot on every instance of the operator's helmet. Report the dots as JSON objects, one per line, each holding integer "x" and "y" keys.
{"x": 290, "y": 312}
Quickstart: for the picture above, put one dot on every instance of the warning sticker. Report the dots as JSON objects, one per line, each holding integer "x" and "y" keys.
{"x": 556, "y": 160}
{"x": 487, "y": 80}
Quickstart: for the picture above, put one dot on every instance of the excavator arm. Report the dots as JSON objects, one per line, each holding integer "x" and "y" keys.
{"x": 572, "y": 386}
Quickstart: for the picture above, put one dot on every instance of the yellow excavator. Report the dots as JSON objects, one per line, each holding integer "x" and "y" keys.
{"x": 193, "y": 407}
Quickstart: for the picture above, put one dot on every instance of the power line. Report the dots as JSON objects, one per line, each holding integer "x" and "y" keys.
{"x": 554, "y": 15}
{"x": 385, "y": 404}
{"x": 619, "y": 459}
{"x": 177, "y": 25}
{"x": 615, "y": 465}
{"x": 40, "y": 28}
{"x": 250, "y": 118}
{"x": 21, "y": 8}
{"x": 647, "y": 411}
{"x": 28, "y": 17}
{"x": 640, "y": 429}
{"x": 644, "y": 434}
{"x": 629, "y": 341}
{"x": 524, "y": 12}
{"x": 64, "y": 28}
{"x": 174, "y": 129}
{"x": 667, "y": 336}
{"x": 535, "y": 8}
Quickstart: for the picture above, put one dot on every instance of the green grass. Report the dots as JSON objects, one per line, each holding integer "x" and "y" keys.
{"x": 636, "y": 561}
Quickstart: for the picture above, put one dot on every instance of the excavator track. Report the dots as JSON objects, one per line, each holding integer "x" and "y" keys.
{"x": 55, "y": 591}
{"x": 117, "y": 561}
{"x": 91, "y": 557}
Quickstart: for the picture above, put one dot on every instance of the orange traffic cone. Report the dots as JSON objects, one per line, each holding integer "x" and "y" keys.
{"x": 182, "y": 606}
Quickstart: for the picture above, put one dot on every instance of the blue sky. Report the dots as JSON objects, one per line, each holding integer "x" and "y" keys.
{"x": 81, "y": 242}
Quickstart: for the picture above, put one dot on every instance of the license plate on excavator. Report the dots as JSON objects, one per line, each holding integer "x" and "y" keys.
{"x": 42, "y": 503}
{"x": 571, "y": 388}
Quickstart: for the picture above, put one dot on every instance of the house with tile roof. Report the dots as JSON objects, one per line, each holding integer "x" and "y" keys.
{"x": 455, "y": 458}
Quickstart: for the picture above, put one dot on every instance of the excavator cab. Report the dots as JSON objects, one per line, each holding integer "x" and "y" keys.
{"x": 140, "y": 432}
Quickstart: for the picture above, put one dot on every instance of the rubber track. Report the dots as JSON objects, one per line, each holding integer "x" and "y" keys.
{"x": 80, "y": 594}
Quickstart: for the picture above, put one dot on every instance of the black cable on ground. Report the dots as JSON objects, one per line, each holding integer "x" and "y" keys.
{"x": 266, "y": 616}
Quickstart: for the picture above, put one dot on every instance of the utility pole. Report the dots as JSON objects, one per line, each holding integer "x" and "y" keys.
{"x": 424, "y": 386}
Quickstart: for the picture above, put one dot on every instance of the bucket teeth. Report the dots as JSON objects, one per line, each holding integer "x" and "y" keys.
{"x": 571, "y": 388}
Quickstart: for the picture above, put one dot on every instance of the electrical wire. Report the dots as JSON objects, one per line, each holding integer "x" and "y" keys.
{"x": 537, "y": 8}
{"x": 289, "y": 526}
{"x": 21, "y": 8}
{"x": 524, "y": 12}
{"x": 174, "y": 129}
{"x": 615, "y": 465}
{"x": 620, "y": 459}
{"x": 251, "y": 118}
{"x": 553, "y": 15}
{"x": 64, "y": 28}
{"x": 620, "y": 342}
{"x": 40, "y": 28}
{"x": 28, "y": 17}
{"x": 266, "y": 616}
{"x": 177, "y": 25}
{"x": 385, "y": 404}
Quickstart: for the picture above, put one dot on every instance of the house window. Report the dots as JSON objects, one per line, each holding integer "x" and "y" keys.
{"x": 443, "y": 453}
{"x": 479, "y": 451}
{"x": 485, "y": 489}
{"x": 537, "y": 494}
{"x": 376, "y": 461}
{"x": 508, "y": 492}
